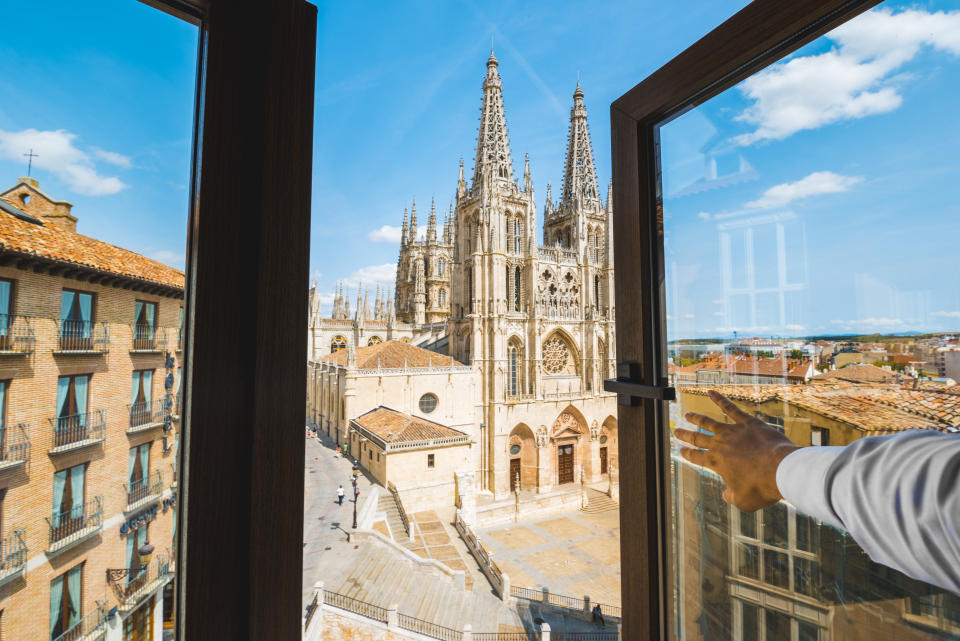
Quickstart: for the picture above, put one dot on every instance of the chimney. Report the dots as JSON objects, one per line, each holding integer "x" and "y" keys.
{"x": 27, "y": 197}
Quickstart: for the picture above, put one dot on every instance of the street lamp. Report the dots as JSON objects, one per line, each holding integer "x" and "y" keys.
{"x": 145, "y": 552}
{"x": 356, "y": 495}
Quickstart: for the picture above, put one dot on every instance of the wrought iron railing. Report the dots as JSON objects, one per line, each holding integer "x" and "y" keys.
{"x": 16, "y": 334}
{"x": 562, "y": 601}
{"x": 480, "y": 553}
{"x": 14, "y": 444}
{"x": 92, "y": 626}
{"x": 77, "y": 428}
{"x": 356, "y": 606}
{"x": 82, "y": 337}
{"x": 13, "y": 552}
{"x": 532, "y": 635}
{"x": 143, "y": 488}
{"x": 73, "y": 523}
{"x": 584, "y": 636}
{"x": 403, "y": 513}
{"x": 149, "y": 338}
{"x": 428, "y": 629}
{"x": 146, "y": 413}
{"x": 129, "y": 584}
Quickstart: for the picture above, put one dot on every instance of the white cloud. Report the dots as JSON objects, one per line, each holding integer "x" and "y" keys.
{"x": 385, "y": 234}
{"x": 167, "y": 257}
{"x": 819, "y": 182}
{"x": 946, "y": 314}
{"x": 57, "y": 154}
{"x": 871, "y": 323}
{"x": 112, "y": 157}
{"x": 704, "y": 215}
{"x": 371, "y": 276}
{"x": 854, "y": 80}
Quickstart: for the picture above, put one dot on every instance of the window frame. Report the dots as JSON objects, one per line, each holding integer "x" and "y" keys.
{"x": 760, "y": 34}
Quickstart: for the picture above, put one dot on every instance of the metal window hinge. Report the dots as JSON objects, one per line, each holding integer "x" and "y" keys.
{"x": 630, "y": 392}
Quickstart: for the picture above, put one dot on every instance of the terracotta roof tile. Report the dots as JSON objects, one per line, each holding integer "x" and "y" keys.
{"x": 393, "y": 426}
{"x": 392, "y": 354}
{"x": 861, "y": 374}
{"x": 41, "y": 240}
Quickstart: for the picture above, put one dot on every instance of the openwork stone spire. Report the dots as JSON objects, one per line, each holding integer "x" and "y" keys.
{"x": 580, "y": 173}
{"x": 493, "y": 147}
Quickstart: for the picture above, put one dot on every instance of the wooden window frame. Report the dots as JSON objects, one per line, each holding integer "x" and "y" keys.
{"x": 760, "y": 34}
{"x": 244, "y": 348}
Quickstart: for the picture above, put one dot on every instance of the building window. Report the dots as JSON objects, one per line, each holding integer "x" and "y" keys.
{"x": 430, "y": 461}
{"x": 512, "y": 370}
{"x": 374, "y": 340}
{"x": 773, "y": 421}
{"x": 441, "y": 267}
{"x": 516, "y": 236}
{"x": 596, "y": 291}
{"x": 370, "y": 454}
{"x": 68, "y": 513}
{"x": 819, "y": 436}
{"x": 6, "y": 310}
{"x": 516, "y": 289}
{"x": 76, "y": 320}
{"x": 769, "y": 550}
{"x": 65, "y": 604}
{"x": 141, "y": 397}
{"x": 338, "y": 343}
{"x": 139, "y": 471}
{"x": 71, "y": 409}
{"x": 145, "y": 323}
{"x": 428, "y": 403}
{"x": 442, "y": 297}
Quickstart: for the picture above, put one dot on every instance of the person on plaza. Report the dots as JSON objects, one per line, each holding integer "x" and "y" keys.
{"x": 338, "y": 450}
{"x": 897, "y": 495}
{"x": 340, "y": 495}
{"x": 598, "y": 616}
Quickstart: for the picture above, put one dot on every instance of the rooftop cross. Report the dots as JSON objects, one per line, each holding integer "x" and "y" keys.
{"x": 30, "y": 156}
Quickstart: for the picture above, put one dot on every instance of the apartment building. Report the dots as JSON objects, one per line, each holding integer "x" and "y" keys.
{"x": 90, "y": 362}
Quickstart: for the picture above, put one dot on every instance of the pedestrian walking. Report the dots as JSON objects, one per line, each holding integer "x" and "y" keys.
{"x": 340, "y": 495}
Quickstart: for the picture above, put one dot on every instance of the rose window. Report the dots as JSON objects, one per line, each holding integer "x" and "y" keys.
{"x": 555, "y": 356}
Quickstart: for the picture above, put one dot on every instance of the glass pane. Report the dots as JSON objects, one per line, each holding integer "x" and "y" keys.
{"x": 781, "y": 197}
{"x": 95, "y": 168}
{"x": 751, "y": 619}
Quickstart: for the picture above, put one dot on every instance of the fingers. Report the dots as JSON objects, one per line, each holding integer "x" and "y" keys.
{"x": 728, "y": 496}
{"x": 699, "y": 457}
{"x": 698, "y": 439}
{"x": 731, "y": 410}
{"x": 707, "y": 423}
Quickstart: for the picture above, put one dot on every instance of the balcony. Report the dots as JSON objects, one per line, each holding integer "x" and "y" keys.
{"x": 16, "y": 335}
{"x": 14, "y": 446}
{"x": 146, "y": 415}
{"x": 148, "y": 339}
{"x": 13, "y": 556}
{"x": 75, "y": 525}
{"x": 82, "y": 337}
{"x": 90, "y": 628}
{"x": 143, "y": 491}
{"x": 76, "y": 431}
{"x": 133, "y": 584}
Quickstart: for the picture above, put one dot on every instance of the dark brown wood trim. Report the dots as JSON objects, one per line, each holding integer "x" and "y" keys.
{"x": 240, "y": 541}
{"x": 760, "y": 34}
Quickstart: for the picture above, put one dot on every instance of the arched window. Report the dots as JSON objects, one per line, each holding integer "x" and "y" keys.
{"x": 441, "y": 267}
{"x": 443, "y": 297}
{"x": 338, "y": 343}
{"x": 374, "y": 340}
{"x": 596, "y": 291}
{"x": 516, "y": 289}
{"x": 514, "y": 382}
{"x": 516, "y": 235}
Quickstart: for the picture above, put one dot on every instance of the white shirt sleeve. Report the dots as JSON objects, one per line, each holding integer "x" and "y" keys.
{"x": 898, "y": 496}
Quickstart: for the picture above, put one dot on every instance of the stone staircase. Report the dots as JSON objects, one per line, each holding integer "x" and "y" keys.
{"x": 375, "y": 574}
{"x": 598, "y": 501}
{"x": 388, "y": 504}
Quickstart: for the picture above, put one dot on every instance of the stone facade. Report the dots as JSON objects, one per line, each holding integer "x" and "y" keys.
{"x": 535, "y": 324}
{"x": 38, "y": 353}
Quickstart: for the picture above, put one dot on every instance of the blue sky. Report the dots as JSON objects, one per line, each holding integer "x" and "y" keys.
{"x": 107, "y": 103}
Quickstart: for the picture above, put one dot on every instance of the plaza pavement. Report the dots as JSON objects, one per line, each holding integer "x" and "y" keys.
{"x": 573, "y": 553}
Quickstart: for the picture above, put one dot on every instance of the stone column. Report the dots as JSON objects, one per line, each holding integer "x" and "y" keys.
{"x": 466, "y": 496}
{"x": 392, "y": 618}
{"x": 544, "y": 631}
{"x": 467, "y": 632}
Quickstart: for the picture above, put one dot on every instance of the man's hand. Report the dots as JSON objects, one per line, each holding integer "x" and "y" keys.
{"x": 744, "y": 453}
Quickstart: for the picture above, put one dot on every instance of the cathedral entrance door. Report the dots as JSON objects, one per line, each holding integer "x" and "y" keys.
{"x": 514, "y": 474}
{"x": 565, "y": 464}
{"x": 603, "y": 460}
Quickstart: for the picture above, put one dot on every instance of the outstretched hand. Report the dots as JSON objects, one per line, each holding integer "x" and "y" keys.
{"x": 745, "y": 453}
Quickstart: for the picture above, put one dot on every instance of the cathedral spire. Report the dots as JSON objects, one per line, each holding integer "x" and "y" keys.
{"x": 579, "y": 173}
{"x": 448, "y": 227}
{"x": 493, "y": 147}
{"x": 432, "y": 222}
{"x": 403, "y": 230}
{"x": 412, "y": 237}
{"x": 461, "y": 183}
{"x": 527, "y": 180}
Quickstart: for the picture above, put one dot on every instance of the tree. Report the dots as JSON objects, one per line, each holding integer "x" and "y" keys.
{"x": 796, "y": 354}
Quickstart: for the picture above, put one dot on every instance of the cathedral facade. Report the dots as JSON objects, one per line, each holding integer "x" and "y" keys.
{"x": 536, "y": 321}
